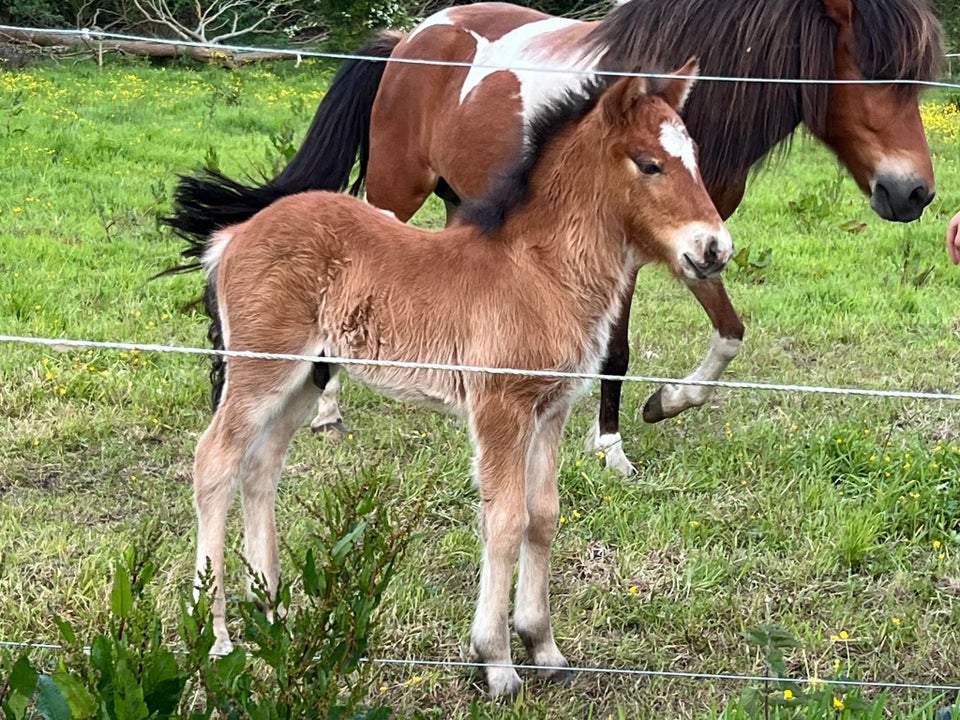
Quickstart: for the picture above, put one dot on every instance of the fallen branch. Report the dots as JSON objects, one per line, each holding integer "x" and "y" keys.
{"x": 99, "y": 45}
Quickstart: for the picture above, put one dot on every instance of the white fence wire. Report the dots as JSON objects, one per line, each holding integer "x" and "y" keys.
{"x": 94, "y": 36}
{"x": 596, "y": 670}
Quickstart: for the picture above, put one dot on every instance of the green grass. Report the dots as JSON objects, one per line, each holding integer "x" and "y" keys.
{"x": 821, "y": 514}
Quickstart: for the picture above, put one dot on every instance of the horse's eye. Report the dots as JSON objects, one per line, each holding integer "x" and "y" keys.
{"x": 648, "y": 166}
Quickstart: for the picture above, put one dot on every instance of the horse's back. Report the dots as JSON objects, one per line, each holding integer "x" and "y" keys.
{"x": 459, "y": 123}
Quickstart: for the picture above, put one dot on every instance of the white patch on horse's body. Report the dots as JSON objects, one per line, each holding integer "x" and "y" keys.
{"x": 440, "y": 18}
{"x": 677, "y": 142}
{"x": 436, "y": 389}
{"x": 525, "y": 47}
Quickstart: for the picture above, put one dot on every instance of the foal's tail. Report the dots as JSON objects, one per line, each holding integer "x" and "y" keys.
{"x": 340, "y": 130}
{"x": 210, "y": 262}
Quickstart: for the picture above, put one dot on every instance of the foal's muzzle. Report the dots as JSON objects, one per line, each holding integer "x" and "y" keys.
{"x": 706, "y": 269}
{"x": 710, "y": 254}
{"x": 899, "y": 198}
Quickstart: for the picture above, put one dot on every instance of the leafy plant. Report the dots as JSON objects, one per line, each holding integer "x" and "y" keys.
{"x": 752, "y": 267}
{"x": 310, "y": 662}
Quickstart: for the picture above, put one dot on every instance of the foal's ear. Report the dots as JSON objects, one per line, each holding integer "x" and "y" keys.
{"x": 677, "y": 89}
{"x": 620, "y": 100}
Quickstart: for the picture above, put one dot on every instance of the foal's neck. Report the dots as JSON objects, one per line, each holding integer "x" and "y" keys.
{"x": 567, "y": 226}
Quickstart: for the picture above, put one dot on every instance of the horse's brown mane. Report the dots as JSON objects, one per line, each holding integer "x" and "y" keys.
{"x": 737, "y": 124}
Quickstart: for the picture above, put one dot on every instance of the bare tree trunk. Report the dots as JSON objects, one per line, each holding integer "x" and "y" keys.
{"x": 99, "y": 45}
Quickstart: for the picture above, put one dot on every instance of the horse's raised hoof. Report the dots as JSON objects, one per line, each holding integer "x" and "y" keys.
{"x": 337, "y": 426}
{"x": 653, "y": 408}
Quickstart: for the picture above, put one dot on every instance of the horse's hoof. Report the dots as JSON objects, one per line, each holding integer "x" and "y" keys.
{"x": 337, "y": 426}
{"x": 502, "y": 683}
{"x": 617, "y": 460}
{"x": 653, "y": 408}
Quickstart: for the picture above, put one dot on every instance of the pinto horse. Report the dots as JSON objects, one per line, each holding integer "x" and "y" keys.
{"x": 429, "y": 128}
{"x": 610, "y": 182}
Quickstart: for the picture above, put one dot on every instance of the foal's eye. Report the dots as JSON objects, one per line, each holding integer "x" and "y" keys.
{"x": 648, "y": 166}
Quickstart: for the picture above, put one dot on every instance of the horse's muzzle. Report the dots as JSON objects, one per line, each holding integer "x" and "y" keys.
{"x": 900, "y": 199}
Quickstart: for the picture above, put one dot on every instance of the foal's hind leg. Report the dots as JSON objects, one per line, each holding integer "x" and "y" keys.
{"x": 258, "y": 491}
{"x": 531, "y": 618}
{"x": 501, "y": 435}
{"x": 216, "y": 469}
{"x": 244, "y": 446}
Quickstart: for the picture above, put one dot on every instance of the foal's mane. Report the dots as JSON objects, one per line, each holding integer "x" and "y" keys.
{"x": 737, "y": 124}
{"x": 510, "y": 187}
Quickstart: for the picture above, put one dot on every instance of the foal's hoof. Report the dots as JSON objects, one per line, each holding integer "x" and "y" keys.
{"x": 560, "y": 672}
{"x": 221, "y": 646}
{"x": 502, "y": 682}
{"x": 331, "y": 426}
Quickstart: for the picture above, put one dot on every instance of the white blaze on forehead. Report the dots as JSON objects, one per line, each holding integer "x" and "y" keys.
{"x": 528, "y": 47}
{"x": 677, "y": 142}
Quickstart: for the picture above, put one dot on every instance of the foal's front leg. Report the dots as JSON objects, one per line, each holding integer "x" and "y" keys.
{"x": 501, "y": 437}
{"x": 672, "y": 399}
{"x": 531, "y": 618}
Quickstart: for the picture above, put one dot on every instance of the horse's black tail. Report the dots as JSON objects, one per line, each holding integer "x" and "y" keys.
{"x": 340, "y": 130}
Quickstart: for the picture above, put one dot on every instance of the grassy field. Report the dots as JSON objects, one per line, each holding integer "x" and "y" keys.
{"x": 835, "y": 517}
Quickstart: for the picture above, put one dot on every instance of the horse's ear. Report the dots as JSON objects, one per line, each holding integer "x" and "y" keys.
{"x": 840, "y": 11}
{"x": 676, "y": 90}
{"x": 619, "y": 100}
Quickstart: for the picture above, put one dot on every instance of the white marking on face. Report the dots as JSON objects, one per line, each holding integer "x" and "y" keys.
{"x": 528, "y": 47}
{"x": 677, "y": 142}
{"x": 901, "y": 167}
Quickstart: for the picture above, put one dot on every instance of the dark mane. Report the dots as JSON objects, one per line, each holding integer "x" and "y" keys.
{"x": 509, "y": 188}
{"x": 737, "y": 124}
{"x": 898, "y": 40}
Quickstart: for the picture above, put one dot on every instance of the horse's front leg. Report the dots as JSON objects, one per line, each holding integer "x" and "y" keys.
{"x": 531, "y": 618}
{"x": 672, "y": 399}
{"x": 605, "y": 436}
{"x": 501, "y": 437}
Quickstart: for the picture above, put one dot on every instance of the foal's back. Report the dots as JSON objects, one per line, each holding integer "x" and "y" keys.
{"x": 342, "y": 278}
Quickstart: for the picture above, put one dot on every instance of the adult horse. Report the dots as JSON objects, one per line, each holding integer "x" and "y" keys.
{"x": 515, "y": 282}
{"x": 423, "y": 128}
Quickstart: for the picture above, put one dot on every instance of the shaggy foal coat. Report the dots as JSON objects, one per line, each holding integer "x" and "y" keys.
{"x": 611, "y": 184}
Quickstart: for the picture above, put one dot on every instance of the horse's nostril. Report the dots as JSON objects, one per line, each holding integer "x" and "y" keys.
{"x": 712, "y": 251}
{"x": 921, "y": 195}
